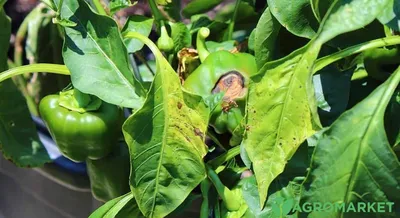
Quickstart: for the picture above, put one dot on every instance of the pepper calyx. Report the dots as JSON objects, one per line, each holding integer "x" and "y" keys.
{"x": 75, "y": 100}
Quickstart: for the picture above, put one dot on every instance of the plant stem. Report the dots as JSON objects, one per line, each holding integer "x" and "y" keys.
{"x": 230, "y": 200}
{"x": 205, "y": 188}
{"x": 144, "y": 61}
{"x": 49, "y": 68}
{"x": 19, "y": 80}
{"x": 214, "y": 138}
{"x": 231, "y": 153}
{"x": 155, "y": 11}
{"x": 329, "y": 59}
{"x": 99, "y": 7}
{"x": 231, "y": 26}
{"x": 201, "y": 47}
{"x": 135, "y": 68}
{"x": 157, "y": 53}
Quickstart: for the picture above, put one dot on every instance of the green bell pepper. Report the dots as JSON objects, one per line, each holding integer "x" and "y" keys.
{"x": 222, "y": 71}
{"x": 109, "y": 176}
{"x": 81, "y": 125}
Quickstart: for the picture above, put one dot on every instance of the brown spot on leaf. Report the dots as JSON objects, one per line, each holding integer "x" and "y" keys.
{"x": 179, "y": 105}
{"x": 198, "y": 132}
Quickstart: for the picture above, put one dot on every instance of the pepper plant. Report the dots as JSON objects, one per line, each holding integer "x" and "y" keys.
{"x": 255, "y": 110}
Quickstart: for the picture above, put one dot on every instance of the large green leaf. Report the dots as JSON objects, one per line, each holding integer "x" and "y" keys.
{"x": 97, "y": 57}
{"x": 140, "y": 24}
{"x": 391, "y": 15}
{"x": 166, "y": 143}
{"x": 265, "y": 36}
{"x": 19, "y": 142}
{"x": 353, "y": 165}
{"x": 281, "y": 106}
{"x": 297, "y": 16}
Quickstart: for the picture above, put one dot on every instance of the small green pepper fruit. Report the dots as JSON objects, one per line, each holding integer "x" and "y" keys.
{"x": 381, "y": 62}
{"x": 165, "y": 43}
{"x": 81, "y": 125}
{"x": 109, "y": 176}
{"x": 226, "y": 72}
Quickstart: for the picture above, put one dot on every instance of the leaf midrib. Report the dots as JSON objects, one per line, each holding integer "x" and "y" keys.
{"x": 284, "y": 109}
{"x": 119, "y": 73}
{"x": 164, "y": 138}
{"x": 361, "y": 148}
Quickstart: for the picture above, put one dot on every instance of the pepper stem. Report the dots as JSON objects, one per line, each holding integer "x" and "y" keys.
{"x": 78, "y": 101}
{"x": 48, "y": 68}
{"x": 157, "y": 53}
{"x": 230, "y": 200}
{"x": 202, "y": 34}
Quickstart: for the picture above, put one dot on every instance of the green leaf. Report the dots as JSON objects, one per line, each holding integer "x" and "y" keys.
{"x": 199, "y": 7}
{"x": 38, "y": 34}
{"x": 281, "y": 114}
{"x": 279, "y": 203}
{"x": 97, "y": 57}
{"x": 123, "y": 206}
{"x": 265, "y": 36}
{"x": 346, "y": 16}
{"x": 390, "y": 16}
{"x": 392, "y": 117}
{"x": 166, "y": 142}
{"x": 320, "y": 8}
{"x": 173, "y": 9}
{"x": 298, "y": 18}
{"x": 19, "y": 142}
{"x": 217, "y": 46}
{"x": 116, "y": 5}
{"x": 181, "y": 36}
{"x": 356, "y": 164}
{"x": 281, "y": 105}
{"x": 140, "y": 24}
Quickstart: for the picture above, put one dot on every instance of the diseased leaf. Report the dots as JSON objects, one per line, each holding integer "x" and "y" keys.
{"x": 199, "y": 6}
{"x": 390, "y": 16}
{"x": 357, "y": 163}
{"x": 181, "y": 36}
{"x": 140, "y": 24}
{"x": 281, "y": 106}
{"x": 265, "y": 36}
{"x": 280, "y": 114}
{"x": 97, "y": 57}
{"x": 19, "y": 141}
{"x": 166, "y": 143}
